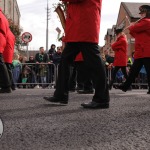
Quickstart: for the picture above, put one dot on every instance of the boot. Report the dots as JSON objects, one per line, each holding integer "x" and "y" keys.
{"x": 5, "y": 90}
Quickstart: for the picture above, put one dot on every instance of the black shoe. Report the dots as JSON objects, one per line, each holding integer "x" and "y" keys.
{"x": 95, "y": 105}
{"x": 5, "y": 90}
{"x": 13, "y": 88}
{"x": 148, "y": 92}
{"x": 72, "y": 90}
{"x": 56, "y": 100}
{"x": 121, "y": 87}
{"x": 110, "y": 87}
{"x": 130, "y": 88}
{"x": 85, "y": 91}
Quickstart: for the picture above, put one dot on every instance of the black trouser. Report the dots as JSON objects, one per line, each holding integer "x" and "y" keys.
{"x": 135, "y": 69}
{"x": 4, "y": 76}
{"x": 115, "y": 70}
{"x": 81, "y": 76}
{"x": 84, "y": 76}
{"x": 93, "y": 61}
{"x": 9, "y": 69}
{"x": 73, "y": 77}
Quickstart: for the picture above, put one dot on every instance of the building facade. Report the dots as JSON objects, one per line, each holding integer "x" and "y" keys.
{"x": 11, "y": 10}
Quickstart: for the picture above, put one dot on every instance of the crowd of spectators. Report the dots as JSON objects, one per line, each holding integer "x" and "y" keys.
{"x": 37, "y": 71}
{"x": 40, "y": 71}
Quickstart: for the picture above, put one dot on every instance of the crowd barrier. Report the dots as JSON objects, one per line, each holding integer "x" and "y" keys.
{"x": 31, "y": 75}
{"x": 44, "y": 75}
{"x": 140, "y": 81}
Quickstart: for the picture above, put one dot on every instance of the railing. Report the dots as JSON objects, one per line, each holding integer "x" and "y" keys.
{"x": 30, "y": 75}
{"x": 44, "y": 75}
{"x": 140, "y": 81}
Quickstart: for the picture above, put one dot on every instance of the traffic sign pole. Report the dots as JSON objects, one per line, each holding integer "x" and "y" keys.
{"x": 27, "y": 37}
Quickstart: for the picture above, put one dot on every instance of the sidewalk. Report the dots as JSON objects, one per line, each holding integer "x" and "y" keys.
{"x": 30, "y": 123}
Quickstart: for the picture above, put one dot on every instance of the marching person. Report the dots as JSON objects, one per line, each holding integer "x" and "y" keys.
{"x": 4, "y": 76}
{"x": 141, "y": 32}
{"x": 120, "y": 60}
{"x": 8, "y": 55}
{"x": 82, "y": 34}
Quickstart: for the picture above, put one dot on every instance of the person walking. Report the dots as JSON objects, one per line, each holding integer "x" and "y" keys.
{"x": 8, "y": 55}
{"x": 120, "y": 59}
{"x": 82, "y": 34}
{"x": 141, "y": 32}
{"x": 4, "y": 76}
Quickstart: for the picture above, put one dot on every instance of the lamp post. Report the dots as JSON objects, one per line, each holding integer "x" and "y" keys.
{"x": 47, "y": 19}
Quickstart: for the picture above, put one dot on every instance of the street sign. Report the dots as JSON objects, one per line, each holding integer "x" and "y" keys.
{"x": 26, "y": 37}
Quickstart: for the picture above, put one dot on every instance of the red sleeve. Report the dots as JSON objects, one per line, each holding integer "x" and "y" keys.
{"x": 117, "y": 45}
{"x": 72, "y": 1}
{"x": 139, "y": 27}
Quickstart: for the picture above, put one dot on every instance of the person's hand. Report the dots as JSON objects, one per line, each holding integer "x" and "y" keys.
{"x": 132, "y": 24}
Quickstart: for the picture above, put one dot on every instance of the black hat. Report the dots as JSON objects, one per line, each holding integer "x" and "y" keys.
{"x": 117, "y": 31}
{"x": 144, "y": 9}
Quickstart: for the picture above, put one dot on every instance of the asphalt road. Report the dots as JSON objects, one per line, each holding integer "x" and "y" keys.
{"x": 30, "y": 123}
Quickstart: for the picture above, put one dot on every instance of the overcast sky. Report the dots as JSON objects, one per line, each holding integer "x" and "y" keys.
{"x": 33, "y": 19}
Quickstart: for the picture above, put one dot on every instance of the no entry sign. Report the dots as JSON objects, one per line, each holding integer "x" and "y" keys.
{"x": 27, "y": 37}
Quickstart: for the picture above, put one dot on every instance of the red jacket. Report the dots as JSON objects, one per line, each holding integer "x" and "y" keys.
{"x": 120, "y": 48}
{"x": 9, "y": 49}
{"x": 83, "y": 21}
{"x": 79, "y": 57}
{"x": 141, "y": 32}
{"x": 4, "y": 27}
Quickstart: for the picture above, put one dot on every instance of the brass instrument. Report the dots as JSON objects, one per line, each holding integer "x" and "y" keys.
{"x": 60, "y": 9}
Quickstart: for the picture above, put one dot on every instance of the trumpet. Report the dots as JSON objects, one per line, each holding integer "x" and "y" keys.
{"x": 60, "y": 9}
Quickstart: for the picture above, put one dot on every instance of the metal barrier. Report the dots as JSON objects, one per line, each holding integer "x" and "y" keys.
{"x": 44, "y": 75}
{"x": 32, "y": 75}
{"x": 140, "y": 81}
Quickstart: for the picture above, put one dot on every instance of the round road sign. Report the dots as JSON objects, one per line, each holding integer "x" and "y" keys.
{"x": 26, "y": 37}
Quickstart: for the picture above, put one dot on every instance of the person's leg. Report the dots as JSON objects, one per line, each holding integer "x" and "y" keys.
{"x": 9, "y": 69}
{"x": 80, "y": 75}
{"x": 134, "y": 71}
{"x": 147, "y": 68}
{"x": 61, "y": 92}
{"x": 72, "y": 79}
{"x": 85, "y": 78}
{"x": 115, "y": 70}
{"x": 4, "y": 77}
{"x": 93, "y": 61}
{"x": 124, "y": 71}
{"x": 88, "y": 86}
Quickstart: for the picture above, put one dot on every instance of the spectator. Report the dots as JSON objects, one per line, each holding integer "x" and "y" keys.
{"x": 41, "y": 58}
{"x": 51, "y": 52}
{"x": 57, "y": 56}
{"x": 32, "y": 74}
{"x": 16, "y": 69}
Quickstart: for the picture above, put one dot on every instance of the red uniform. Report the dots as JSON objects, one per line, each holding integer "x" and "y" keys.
{"x": 141, "y": 32}
{"x": 86, "y": 30}
{"x": 120, "y": 48}
{"x": 4, "y": 27}
{"x": 9, "y": 49}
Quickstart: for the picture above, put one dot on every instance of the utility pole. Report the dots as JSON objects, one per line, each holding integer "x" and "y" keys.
{"x": 47, "y": 19}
